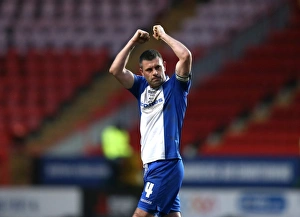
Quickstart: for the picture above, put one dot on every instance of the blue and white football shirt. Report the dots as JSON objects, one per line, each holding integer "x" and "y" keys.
{"x": 162, "y": 112}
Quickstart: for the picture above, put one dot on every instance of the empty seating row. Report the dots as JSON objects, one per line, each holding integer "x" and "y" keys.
{"x": 278, "y": 136}
{"x": 217, "y": 22}
{"x": 31, "y": 10}
{"x": 14, "y": 58}
{"x": 73, "y": 23}
{"x": 34, "y": 86}
{"x": 273, "y": 51}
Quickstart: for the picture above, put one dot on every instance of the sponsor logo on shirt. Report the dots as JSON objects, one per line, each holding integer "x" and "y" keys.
{"x": 152, "y": 91}
{"x": 146, "y": 105}
{"x": 146, "y": 201}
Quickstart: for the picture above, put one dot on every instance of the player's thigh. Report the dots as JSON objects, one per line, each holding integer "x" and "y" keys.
{"x": 141, "y": 213}
{"x": 173, "y": 214}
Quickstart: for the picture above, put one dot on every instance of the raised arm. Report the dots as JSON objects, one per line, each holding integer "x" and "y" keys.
{"x": 184, "y": 64}
{"x": 118, "y": 67}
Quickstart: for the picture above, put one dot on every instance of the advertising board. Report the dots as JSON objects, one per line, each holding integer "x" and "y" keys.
{"x": 258, "y": 172}
{"x": 40, "y": 202}
{"x": 80, "y": 171}
{"x": 250, "y": 202}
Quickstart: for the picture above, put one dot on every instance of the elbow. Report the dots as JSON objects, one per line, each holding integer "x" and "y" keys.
{"x": 112, "y": 71}
{"x": 186, "y": 56}
{"x": 116, "y": 69}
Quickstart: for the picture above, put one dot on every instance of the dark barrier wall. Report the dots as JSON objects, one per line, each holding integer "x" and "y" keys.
{"x": 221, "y": 171}
{"x": 242, "y": 172}
{"x": 91, "y": 172}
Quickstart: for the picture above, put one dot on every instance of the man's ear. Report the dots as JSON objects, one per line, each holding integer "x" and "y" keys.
{"x": 141, "y": 71}
{"x": 165, "y": 66}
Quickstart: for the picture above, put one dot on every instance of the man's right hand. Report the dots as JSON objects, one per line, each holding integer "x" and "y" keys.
{"x": 140, "y": 37}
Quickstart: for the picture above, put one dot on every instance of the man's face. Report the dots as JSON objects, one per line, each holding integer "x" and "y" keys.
{"x": 154, "y": 71}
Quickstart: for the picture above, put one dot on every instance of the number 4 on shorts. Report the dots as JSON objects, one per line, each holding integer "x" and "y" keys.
{"x": 148, "y": 189}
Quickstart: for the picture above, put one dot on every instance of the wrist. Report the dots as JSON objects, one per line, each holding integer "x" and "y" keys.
{"x": 163, "y": 36}
{"x": 131, "y": 44}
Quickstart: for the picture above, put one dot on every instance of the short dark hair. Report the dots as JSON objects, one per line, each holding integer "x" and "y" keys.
{"x": 149, "y": 55}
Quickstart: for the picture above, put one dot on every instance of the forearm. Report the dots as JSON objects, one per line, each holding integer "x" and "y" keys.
{"x": 180, "y": 50}
{"x": 119, "y": 64}
{"x": 184, "y": 65}
{"x": 117, "y": 69}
